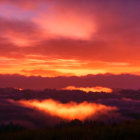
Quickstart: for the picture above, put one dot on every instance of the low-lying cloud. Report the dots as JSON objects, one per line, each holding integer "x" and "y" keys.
{"x": 42, "y": 108}
{"x": 90, "y": 89}
{"x": 69, "y": 111}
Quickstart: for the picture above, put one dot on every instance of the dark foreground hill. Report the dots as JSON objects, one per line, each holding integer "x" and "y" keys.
{"x": 75, "y": 130}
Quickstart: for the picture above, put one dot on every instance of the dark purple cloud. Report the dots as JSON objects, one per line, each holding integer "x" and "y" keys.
{"x": 124, "y": 81}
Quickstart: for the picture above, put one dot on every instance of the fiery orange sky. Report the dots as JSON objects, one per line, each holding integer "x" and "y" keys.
{"x": 67, "y": 37}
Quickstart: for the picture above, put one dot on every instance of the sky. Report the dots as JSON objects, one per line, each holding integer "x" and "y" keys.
{"x": 52, "y": 38}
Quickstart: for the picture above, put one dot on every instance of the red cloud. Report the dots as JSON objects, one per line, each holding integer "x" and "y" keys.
{"x": 104, "y": 35}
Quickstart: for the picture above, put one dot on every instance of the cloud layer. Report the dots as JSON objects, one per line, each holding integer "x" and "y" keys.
{"x": 43, "y": 108}
{"x": 124, "y": 81}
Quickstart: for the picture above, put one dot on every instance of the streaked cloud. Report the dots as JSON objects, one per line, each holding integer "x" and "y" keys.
{"x": 77, "y": 37}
